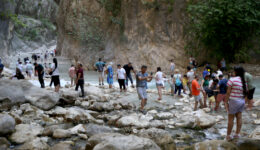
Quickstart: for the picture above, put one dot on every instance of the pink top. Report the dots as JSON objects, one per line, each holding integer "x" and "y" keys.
{"x": 236, "y": 88}
{"x": 72, "y": 72}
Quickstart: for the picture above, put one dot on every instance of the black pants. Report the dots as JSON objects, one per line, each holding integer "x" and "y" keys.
{"x": 81, "y": 85}
{"x": 128, "y": 76}
{"x": 178, "y": 89}
{"x": 121, "y": 83}
{"x": 40, "y": 77}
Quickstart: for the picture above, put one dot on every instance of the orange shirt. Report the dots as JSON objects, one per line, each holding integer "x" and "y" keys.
{"x": 194, "y": 87}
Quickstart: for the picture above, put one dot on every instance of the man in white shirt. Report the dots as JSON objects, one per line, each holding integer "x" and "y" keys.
{"x": 121, "y": 77}
{"x": 190, "y": 75}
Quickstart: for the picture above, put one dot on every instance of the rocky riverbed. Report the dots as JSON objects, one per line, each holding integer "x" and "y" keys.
{"x": 34, "y": 118}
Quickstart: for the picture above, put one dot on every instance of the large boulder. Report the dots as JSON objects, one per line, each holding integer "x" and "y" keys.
{"x": 7, "y": 124}
{"x": 215, "y": 145}
{"x": 4, "y": 143}
{"x": 198, "y": 119}
{"x": 25, "y": 92}
{"x": 92, "y": 129}
{"x": 72, "y": 114}
{"x": 25, "y": 133}
{"x": 35, "y": 144}
{"x": 161, "y": 137}
{"x": 62, "y": 146}
{"x": 115, "y": 141}
{"x": 248, "y": 144}
{"x": 69, "y": 96}
{"x": 255, "y": 134}
{"x": 134, "y": 119}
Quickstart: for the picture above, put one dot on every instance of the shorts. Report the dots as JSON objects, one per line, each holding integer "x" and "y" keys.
{"x": 236, "y": 106}
{"x": 159, "y": 84}
{"x": 101, "y": 74}
{"x": 221, "y": 97}
{"x": 172, "y": 86}
{"x": 212, "y": 99}
{"x": 141, "y": 91}
{"x": 250, "y": 94}
{"x": 197, "y": 98}
{"x": 56, "y": 80}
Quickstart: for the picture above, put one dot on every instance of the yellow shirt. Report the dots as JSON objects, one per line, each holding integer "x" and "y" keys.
{"x": 184, "y": 81}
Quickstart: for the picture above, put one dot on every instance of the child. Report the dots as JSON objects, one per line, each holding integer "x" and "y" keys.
{"x": 184, "y": 83}
{"x": 212, "y": 93}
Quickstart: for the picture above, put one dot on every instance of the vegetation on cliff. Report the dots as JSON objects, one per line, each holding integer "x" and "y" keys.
{"x": 224, "y": 27}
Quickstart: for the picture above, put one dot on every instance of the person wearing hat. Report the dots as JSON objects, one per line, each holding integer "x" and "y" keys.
{"x": 109, "y": 72}
{"x": 178, "y": 82}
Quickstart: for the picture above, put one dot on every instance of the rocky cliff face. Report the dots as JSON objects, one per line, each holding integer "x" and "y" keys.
{"x": 140, "y": 31}
{"x": 26, "y": 25}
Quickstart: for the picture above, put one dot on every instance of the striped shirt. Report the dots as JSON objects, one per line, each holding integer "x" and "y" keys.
{"x": 236, "y": 88}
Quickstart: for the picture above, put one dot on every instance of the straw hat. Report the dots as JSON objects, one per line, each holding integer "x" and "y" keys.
{"x": 177, "y": 70}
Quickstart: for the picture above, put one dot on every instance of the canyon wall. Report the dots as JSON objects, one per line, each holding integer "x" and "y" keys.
{"x": 139, "y": 31}
{"x": 26, "y": 25}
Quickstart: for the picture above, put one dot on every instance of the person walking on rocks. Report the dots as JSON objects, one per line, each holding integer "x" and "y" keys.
{"x": 251, "y": 90}
{"x": 141, "y": 82}
{"x": 205, "y": 88}
{"x": 172, "y": 66}
{"x": 235, "y": 101}
{"x": 72, "y": 75}
{"x": 80, "y": 79}
{"x": 29, "y": 69}
{"x": 222, "y": 86}
{"x": 39, "y": 71}
{"x": 121, "y": 77}
{"x": 1, "y": 68}
{"x": 110, "y": 74}
{"x": 128, "y": 67}
{"x": 55, "y": 75}
{"x": 100, "y": 68}
{"x": 159, "y": 82}
{"x": 190, "y": 75}
{"x": 178, "y": 82}
{"x": 195, "y": 90}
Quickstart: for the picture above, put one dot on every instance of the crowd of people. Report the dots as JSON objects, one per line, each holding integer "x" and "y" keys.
{"x": 208, "y": 87}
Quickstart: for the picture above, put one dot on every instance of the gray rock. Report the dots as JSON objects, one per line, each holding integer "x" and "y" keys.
{"x": 255, "y": 134}
{"x": 7, "y": 124}
{"x": 161, "y": 137}
{"x": 61, "y": 133}
{"x": 4, "y": 143}
{"x": 35, "y": 144}
{"x": 214, "y": 145}
{"x": 92, "y": 129}
{"x": 136, "y": 120}
{"x": 25, "y": 133}
{"x": 25, "y": 92}
{"x": 62, "y": 146}
{"x": 117, "y": 141}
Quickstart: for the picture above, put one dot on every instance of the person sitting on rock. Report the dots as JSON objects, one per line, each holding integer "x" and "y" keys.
{"x": 18, "y": 74}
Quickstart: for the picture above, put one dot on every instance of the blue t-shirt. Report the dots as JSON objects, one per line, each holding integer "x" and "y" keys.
{"x": 223, "y": 86}
{"x": 141, "y": 83}
{"x": 100, "y": 66}
{"x": 205, "y": 72}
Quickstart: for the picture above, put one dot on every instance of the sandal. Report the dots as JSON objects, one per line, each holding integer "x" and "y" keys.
{"x": 236, "y": 136}
{"x": 228, "y": 138}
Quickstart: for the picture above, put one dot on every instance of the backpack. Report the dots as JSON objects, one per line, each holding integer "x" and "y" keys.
{"x": 100, "y": 67}
{"x": 178, "y": 81}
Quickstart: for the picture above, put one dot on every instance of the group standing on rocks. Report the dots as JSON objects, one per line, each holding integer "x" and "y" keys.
{"x": 234, "y": 90}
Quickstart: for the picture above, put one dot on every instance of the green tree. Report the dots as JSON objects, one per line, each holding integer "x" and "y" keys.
{"x": 224, "y": 27}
